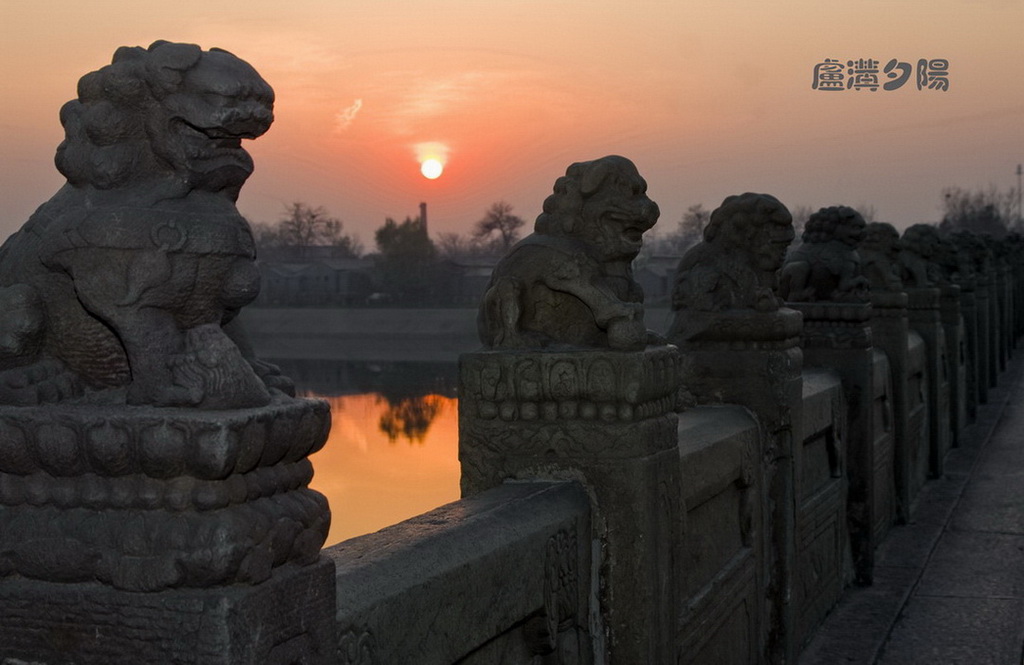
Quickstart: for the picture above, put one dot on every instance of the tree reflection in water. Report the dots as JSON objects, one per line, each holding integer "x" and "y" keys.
{"x": 414, "y": 393}
{"x": 369, "y": 481}
{"x": 409, "y": 416}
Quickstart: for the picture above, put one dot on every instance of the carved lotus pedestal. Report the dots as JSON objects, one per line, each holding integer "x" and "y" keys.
{"x": 140, "y": 534}
{"x": 608, "y": 420}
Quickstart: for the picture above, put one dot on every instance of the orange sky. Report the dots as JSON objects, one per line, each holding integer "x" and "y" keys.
{"x": 708, "y": 98}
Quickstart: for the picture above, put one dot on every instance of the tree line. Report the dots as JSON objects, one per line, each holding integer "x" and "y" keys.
{"x": 303, "y": 227}
{"x": 413, "y": 268}
{"x": 408, "y": 266}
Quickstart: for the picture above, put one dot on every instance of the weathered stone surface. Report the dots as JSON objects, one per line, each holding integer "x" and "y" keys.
{"x": 889, "y": 333}
{"x": 993, "y": 503}
{"x": 884, "y": 496}
{"x": 570, "y": 282}
{"x": 924, "y": 317}
{"x": 821, "y": 489}
{"x": 835, "y": 325}
{"x": 972, "y": 564}
{"x": 826, "y": 267}
{"x": 512, "y": 565}
{"x": 954, "y": 330}
{"x": 976, "y": 262}
{"x": 288, "y": 619}
{"x": 722, "y": 551}
{"x": 855, "y": 632}
{"x": 740, "y": 347}
{"x": 565, "y": 386}
{"x": 838, "y": 337}
{"x": 145, "y": 498}
{"x": 764, "y": 376}
{"x": 986, "y": 631}
{"x": 583, "y": 416}
{"x": 918, "y": 414}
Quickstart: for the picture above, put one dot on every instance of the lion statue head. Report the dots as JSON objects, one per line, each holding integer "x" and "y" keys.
{"x": 570, "y": 282}
{"x": 736, "y": 265}
{"x": 171, "y": 113}
{"x": 602, "y": 203}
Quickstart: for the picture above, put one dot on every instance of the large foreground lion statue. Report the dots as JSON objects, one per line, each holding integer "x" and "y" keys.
{"x": 124, "y": 286}
{"x": 570, "y": 283}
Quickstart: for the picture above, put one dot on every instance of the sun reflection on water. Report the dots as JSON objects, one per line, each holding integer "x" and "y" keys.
{"x": 387, "y": 459}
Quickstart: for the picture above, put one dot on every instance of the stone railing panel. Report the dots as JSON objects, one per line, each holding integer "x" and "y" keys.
{"x": 822, "y": 540}
{"x": 918, "y": 417}
{"x": 722, "y": 550}
{"x": 883, "y": 430}
{"x": 503, "y": 576}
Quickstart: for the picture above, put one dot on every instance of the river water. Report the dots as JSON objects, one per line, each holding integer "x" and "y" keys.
{"x": 392, "y": 452}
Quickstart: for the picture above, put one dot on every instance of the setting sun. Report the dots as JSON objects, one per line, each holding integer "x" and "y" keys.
{"x": 431, "y": 168}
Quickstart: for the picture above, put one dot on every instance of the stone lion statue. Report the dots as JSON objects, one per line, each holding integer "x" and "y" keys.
{"x": 921, "y": 251}
{"x": 570, "y": 282}
{"x": 879, "y": 251}
{"x": 125, "y": 285}
{"x": 975, "y": 257}
{"x": 737, "y": 264}
{"x": 827, "y": 267}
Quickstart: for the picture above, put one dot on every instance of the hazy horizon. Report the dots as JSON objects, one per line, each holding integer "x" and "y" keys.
{"x": 708, "y": 99}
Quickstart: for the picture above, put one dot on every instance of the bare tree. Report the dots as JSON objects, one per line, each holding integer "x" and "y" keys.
{"x": 801, "y": 214}
{"x": 456, "y": 246}
{"x": 304, "y": 226}
{"x": 691, "y": 225}
{"x": 499, "y": 220}
{"x": 982, "y": 211}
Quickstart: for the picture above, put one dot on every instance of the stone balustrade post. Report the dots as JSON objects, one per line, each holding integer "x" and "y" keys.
{"x": 572, "y": 386}
{"x": 606, "y": 419}
{"x": 1003, "y": 298}
{"x": 754, "y": 359}
{"x": 969, "y": 344}
{"x": 924, "y": 317}
{"x": 950, "y": 313}
{"x": 889, "y": 330}
{"x": 838, "y": 336}
{"x": 739, "y": 346}
{"x": 983, "y": 300}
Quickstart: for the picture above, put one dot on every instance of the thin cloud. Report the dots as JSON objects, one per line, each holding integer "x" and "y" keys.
{"x": 345, "y": 117}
